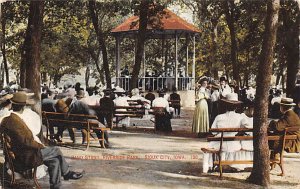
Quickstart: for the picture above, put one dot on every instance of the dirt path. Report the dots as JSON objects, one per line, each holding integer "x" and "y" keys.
{"x": 140, "y": 158}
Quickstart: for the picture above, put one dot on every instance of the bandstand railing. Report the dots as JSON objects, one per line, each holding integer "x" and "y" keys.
{"x": 155, "y": 83}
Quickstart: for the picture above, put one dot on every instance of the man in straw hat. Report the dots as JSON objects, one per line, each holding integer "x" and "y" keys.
{"x": 28, "y": 151}
{"x": 289, "y": 119}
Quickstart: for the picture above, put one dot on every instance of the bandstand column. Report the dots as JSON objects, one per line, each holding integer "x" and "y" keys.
{"x": 118, "y": 60}
{"x": 144, "y": 70}
{"x": 176, "y": 60}
{"x": 187, "y": 56}
{"x": 194, "y": 62}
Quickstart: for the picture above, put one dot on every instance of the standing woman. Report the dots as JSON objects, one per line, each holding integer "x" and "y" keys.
{"x": 201, "y": 117}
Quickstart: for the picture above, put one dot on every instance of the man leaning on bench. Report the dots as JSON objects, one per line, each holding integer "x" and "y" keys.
{"x": 237, "y": 150}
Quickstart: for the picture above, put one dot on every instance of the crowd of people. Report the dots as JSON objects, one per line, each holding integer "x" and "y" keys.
{"x": 218, "y": 105}
{"x": 223, "y": 106}
{"x": 77, "y": 100}
{"x": 20, "y": 121}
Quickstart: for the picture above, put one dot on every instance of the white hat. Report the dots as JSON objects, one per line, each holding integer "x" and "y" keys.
{"x": 119, "y": 90}
{"x": 231, "y": 98}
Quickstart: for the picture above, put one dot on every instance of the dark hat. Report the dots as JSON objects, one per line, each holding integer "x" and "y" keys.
{"x": 202, "y": 79}
{"x": 21, "y": 98}
{"x": 80, "y": 94}
{"x": 215, "y": 86}
{"x": 107, "y": 91}
{"x": 223, "y": 78}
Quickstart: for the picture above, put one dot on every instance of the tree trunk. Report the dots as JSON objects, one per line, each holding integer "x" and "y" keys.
{"x": 261, "y": 164}
{"x": 31, "y": 60}
{"x": 141, "y": 37}
{"x": 1, "y": 76}
{"x": 3, "y": 43}
{"x": 96, "y": 58}
{"x": 291, "y": 25}
{"x": 87, "y": 76}
{"x": 214, "y": 36}
{"x": 229, "y": 15}
{"x": 101, "y": 40}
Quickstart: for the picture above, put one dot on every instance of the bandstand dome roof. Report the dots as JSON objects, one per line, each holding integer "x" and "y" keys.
{"x": 170, "y": 24}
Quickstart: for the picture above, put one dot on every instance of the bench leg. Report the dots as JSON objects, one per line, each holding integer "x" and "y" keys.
{"x": 102, "y": 139}
{"x": 281, "y": 167}
{"x": 88, "y": 139}
{"x": 35, "y": 179}
{"x": 221, "y": 170}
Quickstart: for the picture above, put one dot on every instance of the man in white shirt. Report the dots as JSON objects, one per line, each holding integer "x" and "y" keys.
{"x": 5, "y": 106}
{"x": 121, "y": 100}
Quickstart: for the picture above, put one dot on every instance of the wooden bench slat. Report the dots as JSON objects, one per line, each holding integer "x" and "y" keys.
{"x": 217, "y": 153}
{"x": 236, "y": 138}
{"x": 234, "y": 162}
{"x": 231, "y": 130}
{"x": 88, "y": 122}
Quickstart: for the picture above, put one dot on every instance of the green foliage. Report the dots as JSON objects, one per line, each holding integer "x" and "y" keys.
{"x": 69, "y": 41}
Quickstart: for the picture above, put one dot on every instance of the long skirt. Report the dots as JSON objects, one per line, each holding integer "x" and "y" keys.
{"x": 201, "y": 117}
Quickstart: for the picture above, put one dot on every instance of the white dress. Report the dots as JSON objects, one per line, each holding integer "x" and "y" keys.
{"x": 231, "y": 149}
{"x": 201, "y": 117}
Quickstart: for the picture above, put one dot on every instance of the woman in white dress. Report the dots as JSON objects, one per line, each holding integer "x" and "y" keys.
{"x": 201, "y": 116}
{"x": 230, "y": 119}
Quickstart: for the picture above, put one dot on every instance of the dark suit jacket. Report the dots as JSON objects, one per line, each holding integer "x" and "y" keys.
{"x": 289, "y": 119}
{"x": 26, "y": 149}
{"x": 175, "y": 96}
{"x": 106, "y": 104}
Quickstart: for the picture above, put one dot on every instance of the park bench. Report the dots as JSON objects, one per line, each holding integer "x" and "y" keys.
{"x": 121, "y": 112}
{"x": 218, "y": 162}
{"x": 174, "y": 102}
{"x": 79, "y": 121}
{"x": 10, "y": 157}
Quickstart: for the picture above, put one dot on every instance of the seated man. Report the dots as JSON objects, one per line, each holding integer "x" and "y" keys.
{"x": 28, "y": 151}
{"x": 121, "y": 100}
{"x": 176, "y": 105}
{"x": 106, "y": 108}
{"x": 136, "y": 96}
{"x": 62, "y": 107}
{"x": 79, "y": 107}
{"x": 150, "y": 96}
{"x": 162, "y": 119}
{"x": 289, "y": 119}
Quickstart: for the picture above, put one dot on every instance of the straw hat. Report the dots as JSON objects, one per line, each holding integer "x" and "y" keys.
{"x": 287, "y": 102}
{"x": 119, "y": 90}
{"x": 21, "y": 98}
{"x": 5, "y": 96}
{"x": 231, "y": 98}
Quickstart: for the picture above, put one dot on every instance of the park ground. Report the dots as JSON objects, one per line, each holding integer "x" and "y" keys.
{"x": 140, "y": 158}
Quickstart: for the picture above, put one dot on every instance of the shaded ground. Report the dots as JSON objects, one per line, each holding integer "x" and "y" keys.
{"x": 141, "y": 158}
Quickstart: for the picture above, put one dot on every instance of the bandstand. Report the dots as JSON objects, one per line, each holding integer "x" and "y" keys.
{"x": 172, "y": 27}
